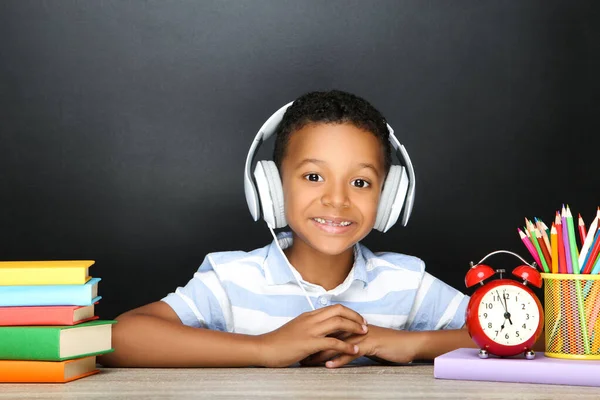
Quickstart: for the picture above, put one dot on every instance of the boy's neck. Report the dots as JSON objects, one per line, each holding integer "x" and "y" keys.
{"x": 327, "y": 271}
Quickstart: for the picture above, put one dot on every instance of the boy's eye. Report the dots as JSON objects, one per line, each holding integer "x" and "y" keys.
{"x": 361, "y": 183}
{"x": 313, "y": 177}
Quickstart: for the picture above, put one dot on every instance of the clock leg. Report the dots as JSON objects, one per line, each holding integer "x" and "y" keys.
{"x": 530, "y": 355}
{"x": 483, "y": 353}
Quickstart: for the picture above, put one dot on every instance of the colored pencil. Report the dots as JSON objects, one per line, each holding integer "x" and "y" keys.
{"x": 589, "y": 238}
{"x": 592, "y": 312}
{"x": 562, "y": 262}
{"x": 572, "y": 243}
{"x": 581, "y": 229}
{"x": 593, "y": 253}
{"x": 565, "y": 235}
{"x": 554, "y": 246}
{"x": 542, "y": 228}
{"x": 545, "y": 249}
{"x": 596, "y": 269}
{"x": 539, "y": 250}
{"x": 530, "y": 247}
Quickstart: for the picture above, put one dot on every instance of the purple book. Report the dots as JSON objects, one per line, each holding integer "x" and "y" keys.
{"x": 465, "y": 364}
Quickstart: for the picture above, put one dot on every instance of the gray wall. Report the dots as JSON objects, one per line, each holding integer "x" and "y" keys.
{"x": 124, "y": 125}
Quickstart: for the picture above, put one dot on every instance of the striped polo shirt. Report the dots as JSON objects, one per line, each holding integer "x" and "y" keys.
{"x": 256, "y": 292}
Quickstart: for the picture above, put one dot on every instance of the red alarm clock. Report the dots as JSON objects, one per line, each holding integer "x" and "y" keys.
{"x": 504, "y": 317}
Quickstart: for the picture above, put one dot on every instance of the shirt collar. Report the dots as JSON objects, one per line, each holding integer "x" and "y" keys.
{"x": 277, "y": 271}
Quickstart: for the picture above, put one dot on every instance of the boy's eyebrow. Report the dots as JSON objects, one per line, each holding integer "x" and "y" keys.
{"x": 371, "y": 166}
{"x": 322, "y": 162}
{"x": 310, "y": 160}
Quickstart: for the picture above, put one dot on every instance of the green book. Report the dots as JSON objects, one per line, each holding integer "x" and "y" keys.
{"x": 55, "y": 343}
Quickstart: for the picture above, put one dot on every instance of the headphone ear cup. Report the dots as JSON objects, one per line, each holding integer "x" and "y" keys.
{"x": 270, "y": 192}
{"x": 388, "y": 196}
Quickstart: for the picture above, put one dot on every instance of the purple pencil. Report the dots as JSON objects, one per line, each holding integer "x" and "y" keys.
{"x": 565, "y": 243}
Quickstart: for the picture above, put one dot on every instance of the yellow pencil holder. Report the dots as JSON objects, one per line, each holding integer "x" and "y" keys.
{"x": 572, "y": 316}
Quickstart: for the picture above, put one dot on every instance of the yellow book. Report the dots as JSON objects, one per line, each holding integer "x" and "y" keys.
{"x": 23, "y": 273}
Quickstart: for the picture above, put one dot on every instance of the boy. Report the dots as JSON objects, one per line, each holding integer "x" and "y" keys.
{"x": 332, "y": 152}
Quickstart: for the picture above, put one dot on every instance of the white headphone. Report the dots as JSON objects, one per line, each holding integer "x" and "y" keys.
{"x": 398, "y": 189}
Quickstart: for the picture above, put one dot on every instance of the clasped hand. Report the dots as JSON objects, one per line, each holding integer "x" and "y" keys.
{"x": 334, "y": 335}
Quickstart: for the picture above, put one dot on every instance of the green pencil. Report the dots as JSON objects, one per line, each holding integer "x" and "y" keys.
{"x": 539, "y": 250}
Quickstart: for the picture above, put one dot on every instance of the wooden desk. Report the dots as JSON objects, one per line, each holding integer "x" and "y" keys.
{"x": 370, "y": 382}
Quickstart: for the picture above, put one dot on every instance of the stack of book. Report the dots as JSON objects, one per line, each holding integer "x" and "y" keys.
{"x": 48, "y": 328}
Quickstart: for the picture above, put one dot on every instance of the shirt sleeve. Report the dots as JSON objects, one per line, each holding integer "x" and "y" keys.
{"x": 437, "y": 306}
{"x": 203, "y": 302}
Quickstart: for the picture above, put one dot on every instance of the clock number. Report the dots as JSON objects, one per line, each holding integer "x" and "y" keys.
{"x": 506, "y": 295}
{"x": 524, "y": 326}
{"x": 485, "y": 315}
{"x": 526, "y": 316}
{"x": 489, "y": 324}
{"x": 523, "y": 306}
{"x": 496, "y": 333}
{"x": 489, "y": 306}
{"x": 506, "y": 336}
{"x": 517, "y": 333}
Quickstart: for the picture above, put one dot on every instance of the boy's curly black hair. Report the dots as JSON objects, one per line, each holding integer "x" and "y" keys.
{"x": 332, "y": 107}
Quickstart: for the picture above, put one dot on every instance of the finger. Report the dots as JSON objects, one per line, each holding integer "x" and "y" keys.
{"x": 340, "y": 310}
{"x": 320, "y": 357}
{"x": 336, "y": 345}
{"x": 342, "y": 360}
{"x": 341, "y": 335}
{"x": 338, "y": 323}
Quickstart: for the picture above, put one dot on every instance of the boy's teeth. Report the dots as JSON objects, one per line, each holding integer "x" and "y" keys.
{"x": 331, "y": 223}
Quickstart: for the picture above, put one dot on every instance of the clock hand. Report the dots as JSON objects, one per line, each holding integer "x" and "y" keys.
{"x": 500, "y": 300}
{"x": 507, "y": 315}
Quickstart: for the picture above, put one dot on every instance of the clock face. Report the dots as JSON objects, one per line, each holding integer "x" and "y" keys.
{"x": 508, "y": 315}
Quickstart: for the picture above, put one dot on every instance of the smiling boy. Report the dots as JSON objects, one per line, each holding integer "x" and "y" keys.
{"x": 336, "y": 300}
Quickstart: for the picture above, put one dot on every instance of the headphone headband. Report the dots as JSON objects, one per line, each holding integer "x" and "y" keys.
{"x": 269, "y": 128}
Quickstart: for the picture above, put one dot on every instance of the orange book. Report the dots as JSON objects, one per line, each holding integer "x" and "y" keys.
{"x": 46, "y": 315}
{"x": 12, "y": 371}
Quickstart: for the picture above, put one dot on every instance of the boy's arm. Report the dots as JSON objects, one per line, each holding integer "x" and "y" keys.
{"x": 431, "y": 344}
{"x": 153, "y": 336}
{"x": 436, "y": 343}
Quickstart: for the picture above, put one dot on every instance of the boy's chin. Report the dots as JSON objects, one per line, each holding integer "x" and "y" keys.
{"x": 332, "y": 246}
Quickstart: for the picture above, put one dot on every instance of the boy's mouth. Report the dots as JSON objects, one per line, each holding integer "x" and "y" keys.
{"x": 334, "y": 226}
{"x": 335, "y": 222}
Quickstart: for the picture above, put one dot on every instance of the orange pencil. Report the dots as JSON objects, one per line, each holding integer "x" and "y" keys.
{"x": 581, "y": 227}
{"x": 554, "y": 245}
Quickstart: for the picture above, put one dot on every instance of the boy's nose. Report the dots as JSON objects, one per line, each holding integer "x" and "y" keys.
{"x": 336, "y": 196}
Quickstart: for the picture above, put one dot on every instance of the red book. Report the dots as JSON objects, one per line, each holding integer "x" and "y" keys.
{"x": 46, "y": 315}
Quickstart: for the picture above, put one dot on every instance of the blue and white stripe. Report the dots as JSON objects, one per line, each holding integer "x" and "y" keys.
{"x": 256, "y": 292}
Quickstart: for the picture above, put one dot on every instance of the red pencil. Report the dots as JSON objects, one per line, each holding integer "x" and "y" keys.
{"x": 544, "y": 248}
{"x": 594, "y": 250}
{"x": 562, "y": 260}
{"x": 581, "y": 227}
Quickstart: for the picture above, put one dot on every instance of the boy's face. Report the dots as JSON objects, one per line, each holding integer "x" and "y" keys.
{"x": 332, "y": 176}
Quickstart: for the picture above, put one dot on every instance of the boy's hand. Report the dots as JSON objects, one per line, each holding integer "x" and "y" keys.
{"x": 311, "y": 333}
{"x": 379, "y": 343}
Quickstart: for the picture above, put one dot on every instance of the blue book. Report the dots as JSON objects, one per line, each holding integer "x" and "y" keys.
{"x": 50, "y": 295}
